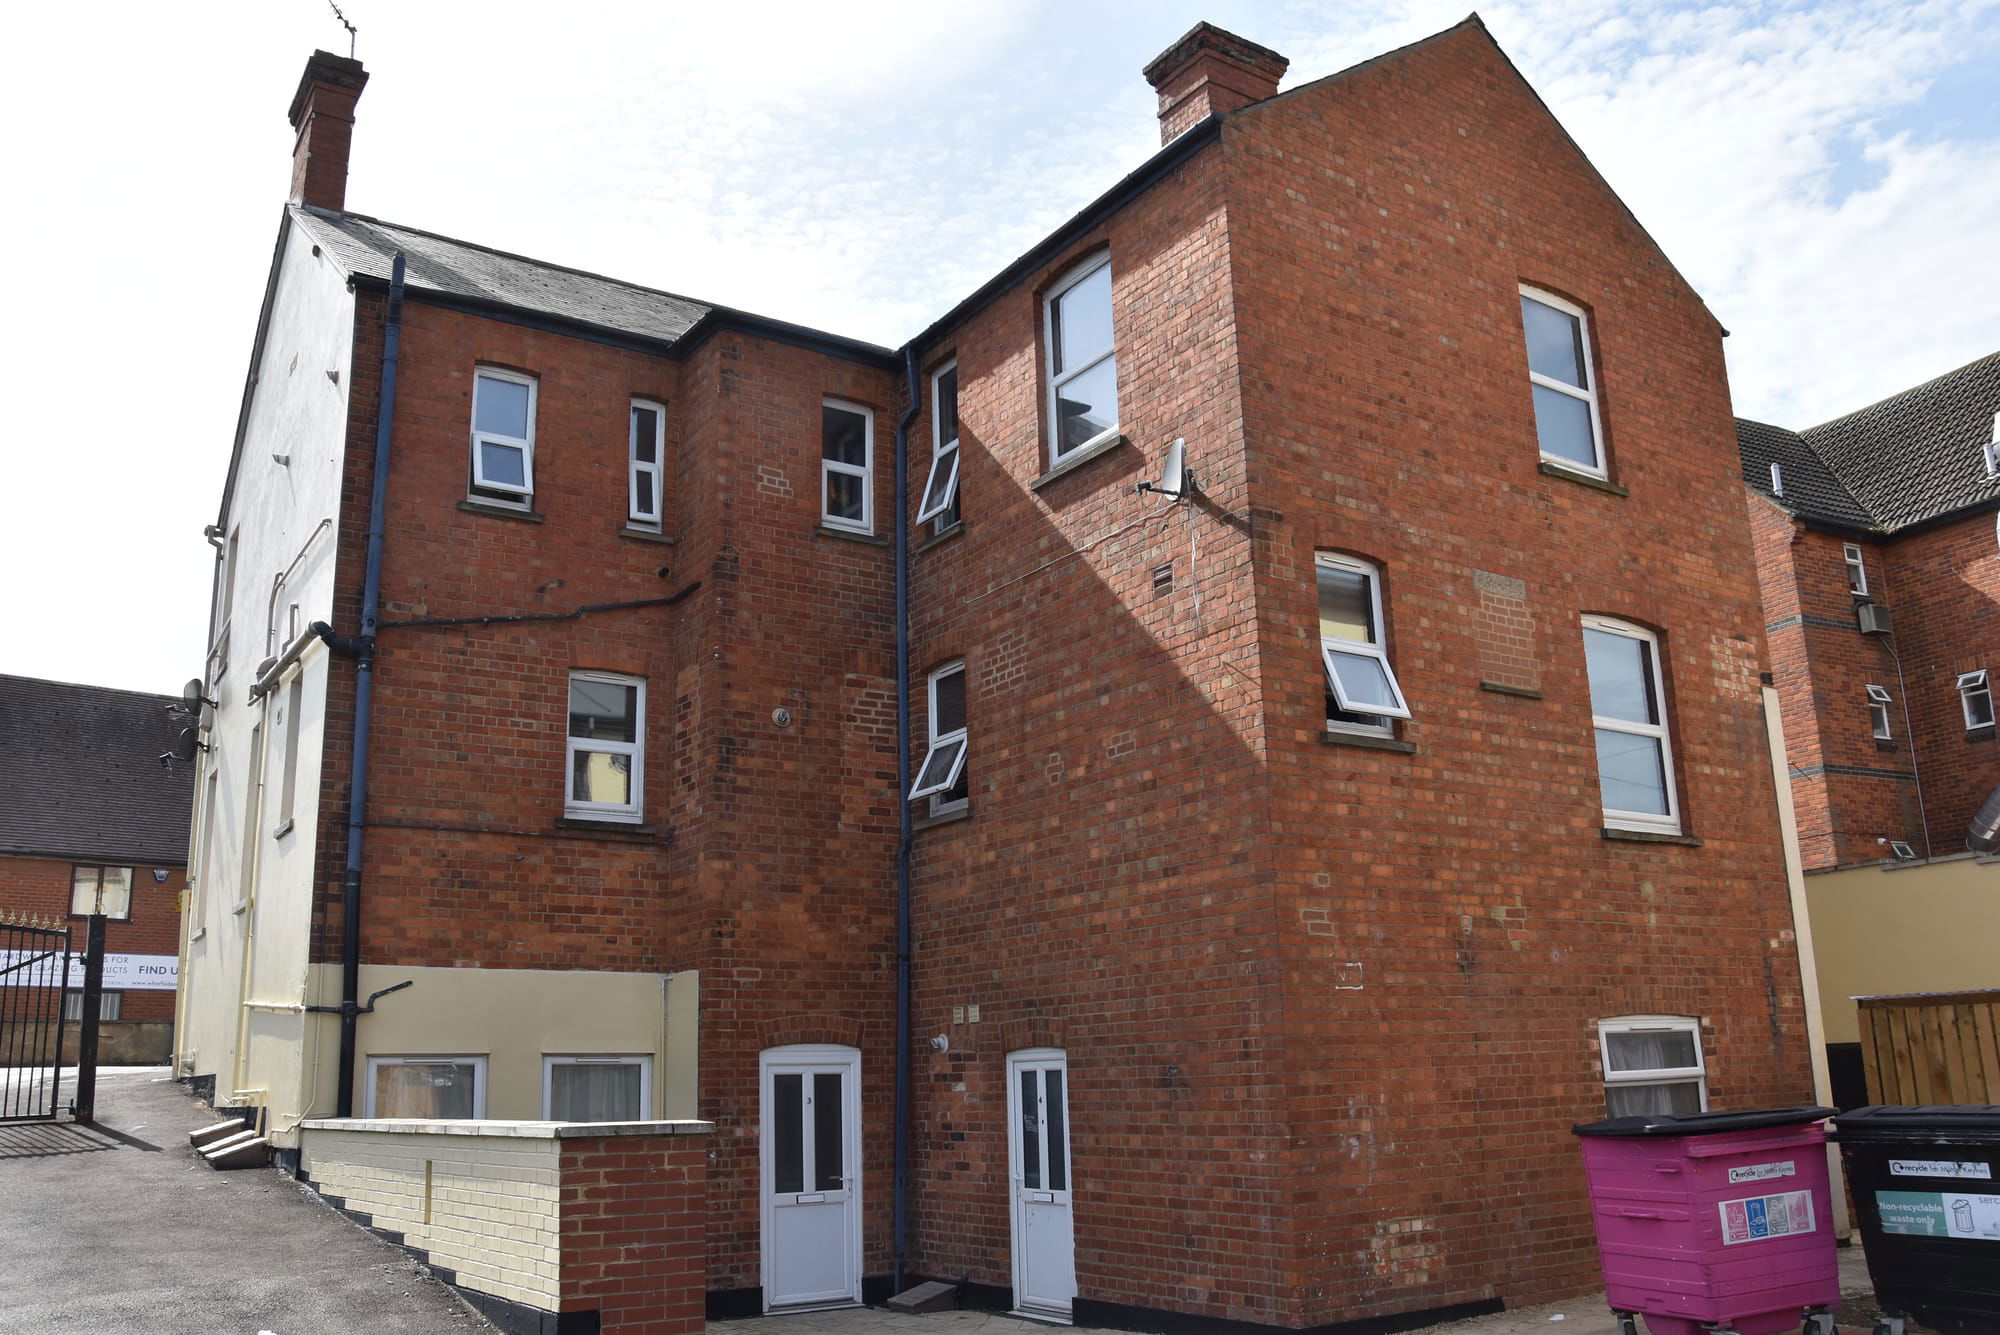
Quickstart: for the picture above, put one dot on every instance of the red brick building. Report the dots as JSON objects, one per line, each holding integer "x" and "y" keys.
{"x": 1879, "y": 562}
{"x": 1420, "y": 715}
{"x": 94, "y": 810}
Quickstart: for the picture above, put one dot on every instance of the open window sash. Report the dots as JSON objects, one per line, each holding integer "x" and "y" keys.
{"x": 1362, "y": 680}
{"x": 942, "y": 488}
{"x": 941, "y": 767}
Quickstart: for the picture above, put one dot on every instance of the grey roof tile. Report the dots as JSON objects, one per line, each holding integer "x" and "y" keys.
{"x": 84, "y": 776}
{"x": 364, "y": 245}
{"x": 1912, "y": 457}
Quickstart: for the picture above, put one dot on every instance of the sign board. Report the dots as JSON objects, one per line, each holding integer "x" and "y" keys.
{"x": 1939, "y": 1168}
{"x": 1940, "y": 1214}
{"x": 1761, "y": 1218}
{"x": 122, "y": 973}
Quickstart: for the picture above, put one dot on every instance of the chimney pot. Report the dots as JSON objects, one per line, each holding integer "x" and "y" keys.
{"x": 323, "y": 115}
{"x": 1211, "y": 71}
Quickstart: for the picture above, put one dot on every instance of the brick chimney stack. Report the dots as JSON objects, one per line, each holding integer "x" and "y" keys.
{"x": 323, "y": 114}
{"x": 1209, "y": 71}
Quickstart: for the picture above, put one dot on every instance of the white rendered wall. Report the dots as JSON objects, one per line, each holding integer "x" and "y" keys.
{"x": 249, "y": 902}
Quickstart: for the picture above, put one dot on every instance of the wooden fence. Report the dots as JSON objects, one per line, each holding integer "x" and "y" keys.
{"x": 1934, "y": 1047}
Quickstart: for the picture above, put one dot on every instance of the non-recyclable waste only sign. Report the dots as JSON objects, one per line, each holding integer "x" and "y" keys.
{"x": 1940, "y": 1214}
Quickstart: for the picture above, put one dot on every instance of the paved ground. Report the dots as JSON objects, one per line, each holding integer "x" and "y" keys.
{"x": 118, "y": 1228}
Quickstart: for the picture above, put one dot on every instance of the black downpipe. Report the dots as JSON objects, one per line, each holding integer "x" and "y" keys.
{"x": 903, "y": 832}
{"x": 364, "y": 681}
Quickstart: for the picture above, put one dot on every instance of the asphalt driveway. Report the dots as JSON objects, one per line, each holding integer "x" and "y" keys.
{"x": 118, "y": 1227}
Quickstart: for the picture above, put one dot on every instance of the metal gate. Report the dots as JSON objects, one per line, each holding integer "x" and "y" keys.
{"x": 34, "y": 988}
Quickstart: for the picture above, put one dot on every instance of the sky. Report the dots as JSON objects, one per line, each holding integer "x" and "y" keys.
{"x": 1827, "y": 176}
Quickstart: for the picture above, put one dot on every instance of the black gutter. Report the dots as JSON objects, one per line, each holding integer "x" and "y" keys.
{"x": 904, "y": 831}
{"x": 1143, "y": 178}
{"x": 364, "y": 684}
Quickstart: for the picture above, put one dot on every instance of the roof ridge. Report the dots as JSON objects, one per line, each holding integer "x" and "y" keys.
{"x": 349, "y": 215}
{"x": 1887, "y": 399}
{"x": 86, "y": 686}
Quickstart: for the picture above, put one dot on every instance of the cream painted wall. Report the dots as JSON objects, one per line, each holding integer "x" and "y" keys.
{"x": 1929, "y": 927}
{"x": 248, "y": 907}
{"x": 513, "y": 1018}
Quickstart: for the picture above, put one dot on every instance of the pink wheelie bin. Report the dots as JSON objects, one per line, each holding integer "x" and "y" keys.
{"x": 1715, "y": 1221}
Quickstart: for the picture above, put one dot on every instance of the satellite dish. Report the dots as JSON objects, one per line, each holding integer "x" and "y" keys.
{"x": 1175, "y": 480}
{"x": 191, "y": 693}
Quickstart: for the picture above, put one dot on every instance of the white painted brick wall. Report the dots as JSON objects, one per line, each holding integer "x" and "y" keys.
{"x": 492, "y": 1213}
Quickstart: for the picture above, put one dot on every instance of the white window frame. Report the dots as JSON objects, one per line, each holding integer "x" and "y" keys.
{"x": 1379, "y": 651}
{"x": 952, "y": 766}
{"x": 1990, "y": 452}
{"x": 1970, "y": 684}
{"x": 629, "y": 812}
{"x": 941, "y": 487}
{"x": 288, "y": 785}
{"x": 1878, "y": 712}
{"x": 639, "y": 468}
{"x": 110, "y": 1006}
{"x": 1089, "y": 361}
{"x": 1588, "y": 394}
{"x": 478, "y": 1065}
{"x": 1857, "y": 568}
{"x": 225, "y": 600}
{"x": 552, "y": 1060}
{"x": 101, "y": 868}
{"x": 866, "y": 471}
{"x": 1696, "y": 1075}
{"x": 1642, "y": 821}
{"x": 1777, "y": 480}
{"x": 524, "y": 494}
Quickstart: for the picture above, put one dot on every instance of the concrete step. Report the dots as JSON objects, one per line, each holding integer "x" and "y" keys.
{"x": 930, "y": 1296}
{"x": 246, "y": 1151}
{"x": 222, "y": 1130}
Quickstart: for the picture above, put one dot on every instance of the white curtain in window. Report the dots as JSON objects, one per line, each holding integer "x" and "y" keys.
{"x": 1681, "y": 1099}
{"x": 424, "y": 1089}
{"x": 594, "y": 1092}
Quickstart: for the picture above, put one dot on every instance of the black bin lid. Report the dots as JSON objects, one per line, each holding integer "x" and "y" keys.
{"x": 1701, "y": 1124}
{"x": 1971, "y": 1123}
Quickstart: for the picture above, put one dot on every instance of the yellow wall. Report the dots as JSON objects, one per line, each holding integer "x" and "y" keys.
{"x": 1929, "y": 927}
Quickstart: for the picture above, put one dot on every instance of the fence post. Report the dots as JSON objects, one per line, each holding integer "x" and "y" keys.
{"x": 85, "y": 1107}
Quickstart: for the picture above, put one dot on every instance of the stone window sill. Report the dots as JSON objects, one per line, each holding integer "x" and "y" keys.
{"x": 283, "y": 829}
{"x": 1583, "y": 479}
{"x": 940, "y": 538}
{"x": 633, "y": 828}
{"x": 638, "y": 534}
{"x": 849, "y": 535}
{"x": 1502, "y": 688}
{"x": 1363, "y": 740}
{"x": 942, "y": 818}
{"x": 478, "y": 507}
{"x": 1095, "y": 450}
{"x": 1650, "y": 837}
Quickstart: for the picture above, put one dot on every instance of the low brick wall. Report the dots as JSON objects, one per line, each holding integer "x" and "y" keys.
{"x": 541, "y": 1225}
{"x": 119, "y": 1042}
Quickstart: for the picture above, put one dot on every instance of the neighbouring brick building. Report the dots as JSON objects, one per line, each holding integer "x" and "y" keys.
{"x": 1879, "y": 559}
{"x": 1294, "y": 850}
{"x": 97, "y": 806}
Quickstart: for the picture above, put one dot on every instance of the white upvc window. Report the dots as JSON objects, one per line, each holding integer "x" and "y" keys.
{"x": 603, "y": 777}
{"x": 106, "y": 890}
{"x": 110, "y": 1006}
{"x": 1857, "y": 568}
{"x": 1635, "y": 763}
{"x": 288, "y": 788}
{"x": 1878, "y": 712}
{"x": 1363, "y": 694}
{"x": 1564, "y": 387}
{"x": 1989, "y": 453}
{"x": 940, "y": 504}
{"x": 426, "y": 1087}
{"x": 225, "y": 604}
{"x": 648, "y": 456}
{"x": 1975, "y": 697}
{"x": 1083, "y": 366}
{"x": 1652, "y": 1064}
{"x": 847, "y": 466}
{"x": 503, "y": 436}
{"x": 591, "y": 1088}
{"x": 941, "y": 777}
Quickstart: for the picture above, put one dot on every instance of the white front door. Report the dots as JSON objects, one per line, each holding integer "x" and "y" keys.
{"x": 1038, "y": 1154}
{"x": 811, "y": 1177}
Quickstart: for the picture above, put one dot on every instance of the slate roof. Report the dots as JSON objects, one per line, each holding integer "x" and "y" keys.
{"x": 364, "y": 245}
{"x": 84, "y": 778}
{"x": 1912, "y": 457}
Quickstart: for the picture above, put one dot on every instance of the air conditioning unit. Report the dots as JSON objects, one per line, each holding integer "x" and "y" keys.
{"x": 1874, "y": 619}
